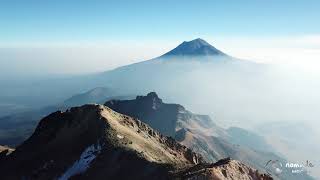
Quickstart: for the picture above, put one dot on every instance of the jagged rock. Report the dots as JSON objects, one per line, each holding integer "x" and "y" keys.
{"x": 95, "y": 142}
{"x": 84, "y": 142}
{"x": 225, "y": 169}
{"x": 4, "y": 152}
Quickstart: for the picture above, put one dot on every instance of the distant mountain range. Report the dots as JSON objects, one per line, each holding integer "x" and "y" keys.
{"x": 201, "y": 134}
{"x": 48, "y": 91}
{"x": 202, "y": 78}
{"x": 97, "y": 95}
{"x": 74, "y": 143}
{"x": 161, "y": 74}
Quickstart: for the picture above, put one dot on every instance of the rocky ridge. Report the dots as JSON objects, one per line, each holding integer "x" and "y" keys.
{"x": 82, "y": 139}
{"x": 95, "y": 142}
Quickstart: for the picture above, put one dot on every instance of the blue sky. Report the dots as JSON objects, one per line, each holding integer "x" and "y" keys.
{"x": 97, "y": 33}
{"x": 83, "y": 20}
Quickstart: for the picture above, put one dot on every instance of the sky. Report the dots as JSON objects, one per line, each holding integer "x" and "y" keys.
{"x": 56, "y": 35}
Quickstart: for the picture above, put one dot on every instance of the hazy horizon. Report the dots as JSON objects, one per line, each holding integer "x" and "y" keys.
{"x": 297, "y": 52}
{"x": 76, "y": 37}
{"x": 54, "y": 51}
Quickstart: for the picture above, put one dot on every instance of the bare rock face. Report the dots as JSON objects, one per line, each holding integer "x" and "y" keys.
{"x": 224, "y": 169}
{"x": 197, "y": 132}
{"x": 95, "y": 142}
{"x": 5, "y": 151}
{"x": 151, "y": 110}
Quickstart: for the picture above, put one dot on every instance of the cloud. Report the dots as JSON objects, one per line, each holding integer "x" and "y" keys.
{"x": 85, "y": 57}
{"x": 298, "y": 51}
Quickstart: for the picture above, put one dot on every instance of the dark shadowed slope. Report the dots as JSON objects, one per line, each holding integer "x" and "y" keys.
{"x": 98, "y": 141}
{"x": 94, "y": 142}
{"x": 200, "y": 133}
{"x": 147, "y": 108}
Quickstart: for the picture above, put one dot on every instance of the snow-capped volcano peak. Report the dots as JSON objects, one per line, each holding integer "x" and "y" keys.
{"x": 196, "y": 47}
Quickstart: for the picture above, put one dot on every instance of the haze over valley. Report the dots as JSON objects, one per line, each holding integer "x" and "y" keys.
{"x": 194, "y": 90}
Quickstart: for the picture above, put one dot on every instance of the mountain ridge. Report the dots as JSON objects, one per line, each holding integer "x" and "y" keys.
{"x": 95, "y": 142}
{"x": 200, "y": 133}
{"x": 69, "y": 143}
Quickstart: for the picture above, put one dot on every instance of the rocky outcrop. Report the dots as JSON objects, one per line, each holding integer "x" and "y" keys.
{"x": 95, "y": 142}
{"x": 224, "y": 169}
{"x": 197, "y": 132}
{"x": 192, "y": 130}
{"x": 151, "y": 110}
{"x": 5, "y": 151}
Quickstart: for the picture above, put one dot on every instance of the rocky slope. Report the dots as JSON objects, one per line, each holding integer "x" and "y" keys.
{"x": 4, "y": 152}
{"x": 95, "y": 142}
{"x": 16, "y": 128}
{"x": 199, "y": 132}
{"x": 221, "y": 170}
{"x": 196, "y": 131}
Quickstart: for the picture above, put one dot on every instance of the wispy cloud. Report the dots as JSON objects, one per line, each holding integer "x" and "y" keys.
{"x": 299, "y": 51}
{"x": 84, "y": 57}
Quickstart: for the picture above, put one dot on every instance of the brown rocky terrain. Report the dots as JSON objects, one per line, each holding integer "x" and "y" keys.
{"x": 4, "y": 152}
{"x": 95, "y": 142}
{"x": 6, "y": 149}
{"x": 224, "y": 169}
{"x": 200, "y": 133}
{"x": 112, "y": 142}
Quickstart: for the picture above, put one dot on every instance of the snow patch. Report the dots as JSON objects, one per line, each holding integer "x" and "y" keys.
{"x": 120, "y": 136}
{"x": 81, "y": 165}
